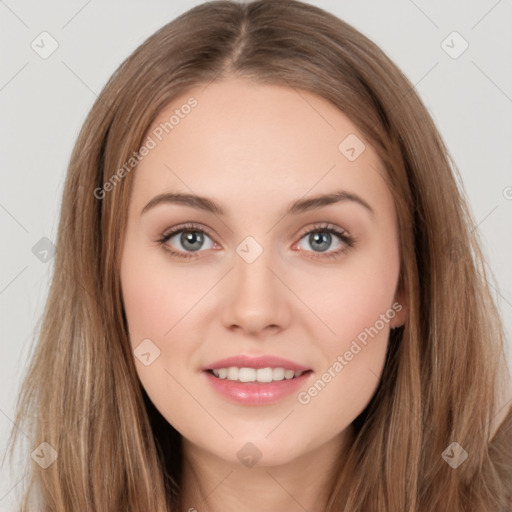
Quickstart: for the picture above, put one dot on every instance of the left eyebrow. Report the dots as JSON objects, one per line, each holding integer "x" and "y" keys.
{"x": 315, "y": 202}
{"x": 296, "y": 207}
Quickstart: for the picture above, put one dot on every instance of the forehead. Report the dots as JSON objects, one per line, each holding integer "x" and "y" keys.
{"x": 244, "y": 141}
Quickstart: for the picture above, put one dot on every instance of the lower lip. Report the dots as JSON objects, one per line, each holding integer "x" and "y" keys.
{"x": 256, "y": 393}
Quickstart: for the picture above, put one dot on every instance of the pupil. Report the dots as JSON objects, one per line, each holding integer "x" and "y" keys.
{"x": 189, "y": 238}
{"x": 323, "y": 238}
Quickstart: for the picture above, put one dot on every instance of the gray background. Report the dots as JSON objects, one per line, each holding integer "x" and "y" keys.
{"x": 44, "y": 102}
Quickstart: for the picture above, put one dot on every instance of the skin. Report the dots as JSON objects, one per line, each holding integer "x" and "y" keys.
{"x": 254, "y": 149}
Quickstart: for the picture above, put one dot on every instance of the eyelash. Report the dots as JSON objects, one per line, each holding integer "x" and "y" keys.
{"x": 350, "y": 241}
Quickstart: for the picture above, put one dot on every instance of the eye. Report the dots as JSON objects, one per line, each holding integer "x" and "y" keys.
{"x": 320, "y": 238}
{"x": 191, "y": 237}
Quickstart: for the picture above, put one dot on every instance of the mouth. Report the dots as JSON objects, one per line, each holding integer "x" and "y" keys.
{"x": 258, "y": 375}
{"x": 256, "y": 386}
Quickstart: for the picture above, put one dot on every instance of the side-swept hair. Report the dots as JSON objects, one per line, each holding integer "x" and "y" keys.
{"x": 440, "y": 383}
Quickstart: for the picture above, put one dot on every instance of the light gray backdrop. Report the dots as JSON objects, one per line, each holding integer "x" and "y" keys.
{"x": 57, "y": 55}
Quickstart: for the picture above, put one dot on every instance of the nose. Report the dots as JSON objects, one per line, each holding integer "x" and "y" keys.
{"x": 256, "y": 298}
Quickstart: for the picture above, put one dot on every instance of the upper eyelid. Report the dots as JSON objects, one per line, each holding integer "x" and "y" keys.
{"x": 199, "y": 227}
{"x": 187, "y": 227}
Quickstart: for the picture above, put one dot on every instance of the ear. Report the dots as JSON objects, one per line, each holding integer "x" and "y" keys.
{"x": 400, "y": 307}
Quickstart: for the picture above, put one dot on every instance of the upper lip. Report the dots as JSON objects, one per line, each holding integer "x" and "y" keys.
{"x": 262, "y": 361}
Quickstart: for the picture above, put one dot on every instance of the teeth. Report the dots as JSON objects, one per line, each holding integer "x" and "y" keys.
{"x": 246, "y": 374}
{"x": 278, "y": 373}
{"x": 232, "y": 373}
{"x": 253, "y": 375}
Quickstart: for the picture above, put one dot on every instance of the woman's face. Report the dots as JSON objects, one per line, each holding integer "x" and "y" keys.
{"x": 259, "y": 276}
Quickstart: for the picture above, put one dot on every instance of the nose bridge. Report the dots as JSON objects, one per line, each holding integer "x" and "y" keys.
{"x": 251, "y": 270}
{"x": 255, "y": 297}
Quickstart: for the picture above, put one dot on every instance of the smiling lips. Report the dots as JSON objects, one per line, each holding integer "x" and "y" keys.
{"x": 256, "y": 380}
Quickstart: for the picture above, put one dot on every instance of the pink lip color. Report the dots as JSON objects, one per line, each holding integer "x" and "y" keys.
{"x": 256, "y": 393}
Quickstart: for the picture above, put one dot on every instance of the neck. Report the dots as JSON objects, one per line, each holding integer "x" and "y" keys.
{"x": 213, "y": 484}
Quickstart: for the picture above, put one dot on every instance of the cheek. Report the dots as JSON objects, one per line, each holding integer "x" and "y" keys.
{"x": 155, "y": 295}
{"x": 145, "y": 303}
{"x": 156, "y": 309}
{"x": 355, "y": 303}
{"x": 355, "y": 296}
{"x": 161, "y": 304}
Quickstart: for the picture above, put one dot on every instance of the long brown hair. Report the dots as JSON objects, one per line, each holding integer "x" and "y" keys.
{"x": 440, "y": 384}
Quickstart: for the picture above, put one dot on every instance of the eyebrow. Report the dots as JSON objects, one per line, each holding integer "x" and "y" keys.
{"x": 296, "y": 207}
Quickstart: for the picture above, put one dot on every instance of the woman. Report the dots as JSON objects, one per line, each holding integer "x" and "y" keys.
{"x": 267, "y": 290}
